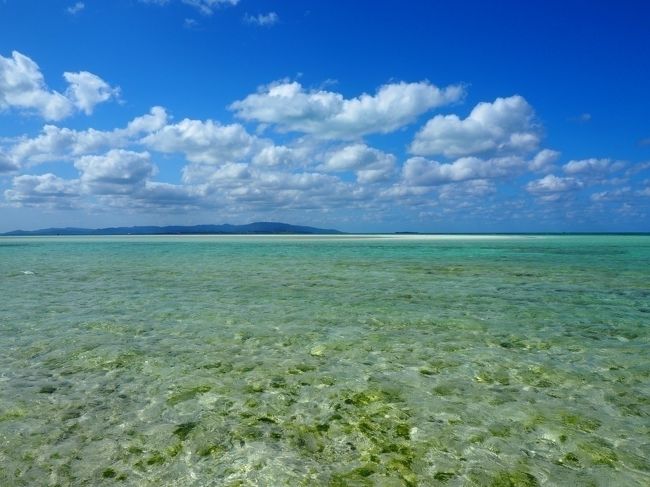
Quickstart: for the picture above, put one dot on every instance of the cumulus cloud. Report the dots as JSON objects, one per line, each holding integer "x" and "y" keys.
{"x": 205, "y": 142}
{"x": 370, "y": 165}
{"x": 612, "y": 195}
{"x": 57, "y": 143}
{"x": 418, "y": 171}
{"x": 544, "y": 160}
{"x": 22, "y": 86}
{"x": 264, "y": 20}
{"x": 551, "y": 187}
{"x": 156, "y": 195}
{"x": 7, "y": 163}
{"x": 278, "y": 155}
{"x": 326, "y": 114}
{"x": 87, "y": 90}
{"x": 116, "y": 172}
{"x": 461, "y": 192}
{"x": 326, "y": 167}
{"x": 506, "y": 126}
{"x": 46, "y": 190}
{"x": 592, "y": 166}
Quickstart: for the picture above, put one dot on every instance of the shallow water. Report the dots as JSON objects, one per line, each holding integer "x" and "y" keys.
{"x": 325, "y": 361}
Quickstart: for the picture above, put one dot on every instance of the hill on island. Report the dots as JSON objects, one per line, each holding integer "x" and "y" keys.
{"x": 256, "y": 228}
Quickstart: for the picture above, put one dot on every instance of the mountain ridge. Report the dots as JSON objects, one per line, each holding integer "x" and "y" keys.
{"x": 255, "y": 228}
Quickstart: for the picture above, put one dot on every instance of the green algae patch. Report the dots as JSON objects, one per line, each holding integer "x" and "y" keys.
{"x": 570, "y": 459}
{"x": 187, "y": 394}
{"x": 11, "y": 414}
{"x": 492, "y": 377}
{"x": 581, "y": 423}
{"x": 445, "y": 389}
{"x": 174, "y": 450}
{"x": 109, "y": 473}
{"x": 155, "y": 459}
{"x": 599, "y": 452}
{"x": 183, "y": 430}
{"x": 516, "y": 478}
{"x": 540, "y": 376}
{"x": 501, "y": 430}
{"x": 211, "y": 450}
{"x": 364, "y": 398}
{"x": 444, "y": 476}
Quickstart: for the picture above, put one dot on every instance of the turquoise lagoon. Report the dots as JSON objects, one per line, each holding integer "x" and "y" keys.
{"x": 351, "y": 360}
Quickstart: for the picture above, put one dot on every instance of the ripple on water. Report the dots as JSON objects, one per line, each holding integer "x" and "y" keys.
{"x": 367, "y": 361}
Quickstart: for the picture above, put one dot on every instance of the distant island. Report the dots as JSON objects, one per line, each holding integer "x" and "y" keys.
{"x": 256, "y": 228}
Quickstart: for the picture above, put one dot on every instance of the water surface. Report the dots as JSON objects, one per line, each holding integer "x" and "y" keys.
{"x": 336, "y": 361}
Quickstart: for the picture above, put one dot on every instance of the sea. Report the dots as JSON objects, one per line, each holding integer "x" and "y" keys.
{"x": 387, "y": 360}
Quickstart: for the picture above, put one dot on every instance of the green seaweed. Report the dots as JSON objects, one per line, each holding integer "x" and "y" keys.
{"x": 581, "y": 423}
{"x": 10, "y": 414}
{"x": 444, "y": 476}
{"x": 187, "y": 394}
{"x": 515, "y": 478}
{"x": 500, "y": 430}
{"x": 155, "y": 458}
{"x": 211, "y": 450}
{"x": 599, "y": 452}
{"x": 174, "y": 450}
{"x": 184, "y": 429}
{"x": 109, "y": 473}
{"x": 570, "y": 459}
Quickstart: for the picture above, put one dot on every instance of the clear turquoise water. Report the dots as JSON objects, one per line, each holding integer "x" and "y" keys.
{"x": 325, "y": 361}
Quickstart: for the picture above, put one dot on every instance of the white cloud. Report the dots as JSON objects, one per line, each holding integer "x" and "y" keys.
{"x": 190, "y": 23}
{"x": 228, "y": 174}
{"x": 76, "y": 8}
{"x": 23, "y": 87}
{"x": 87, "y": 90}
{"x": 165, "y": 195}
{"x": 613, "y": 195}
{"x": 505, "y": 126}
{"x": 371, "y": 165}
{"x": 116, "y": 172}
{"x": 592, "y": 166}
{"x": 638, "y": 168}
{"x": 264, "y": 20}
{"x": 206, "y": 7}
{"x": 278, "y": 155}
{"x": 56, "y": 143}
{"x": 328, "y": 114}
{"x": 46, "y": 190}
{"x": 551, "y": 184}
{"x": 150, "y": 122}
{"x": 582, "y": 118}
{"x": 461, "y": 192}
{"x": 418, "y": 171}
{"x": 7, "y": 163}
{"x": 544, "y": 160}
{"x": 205, "y": 142}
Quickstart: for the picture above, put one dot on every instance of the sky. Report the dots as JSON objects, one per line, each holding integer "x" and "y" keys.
{"x": 365, "y": 116}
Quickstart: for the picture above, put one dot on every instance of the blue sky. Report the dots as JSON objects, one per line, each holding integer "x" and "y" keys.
{"x": 364, "y": 116}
